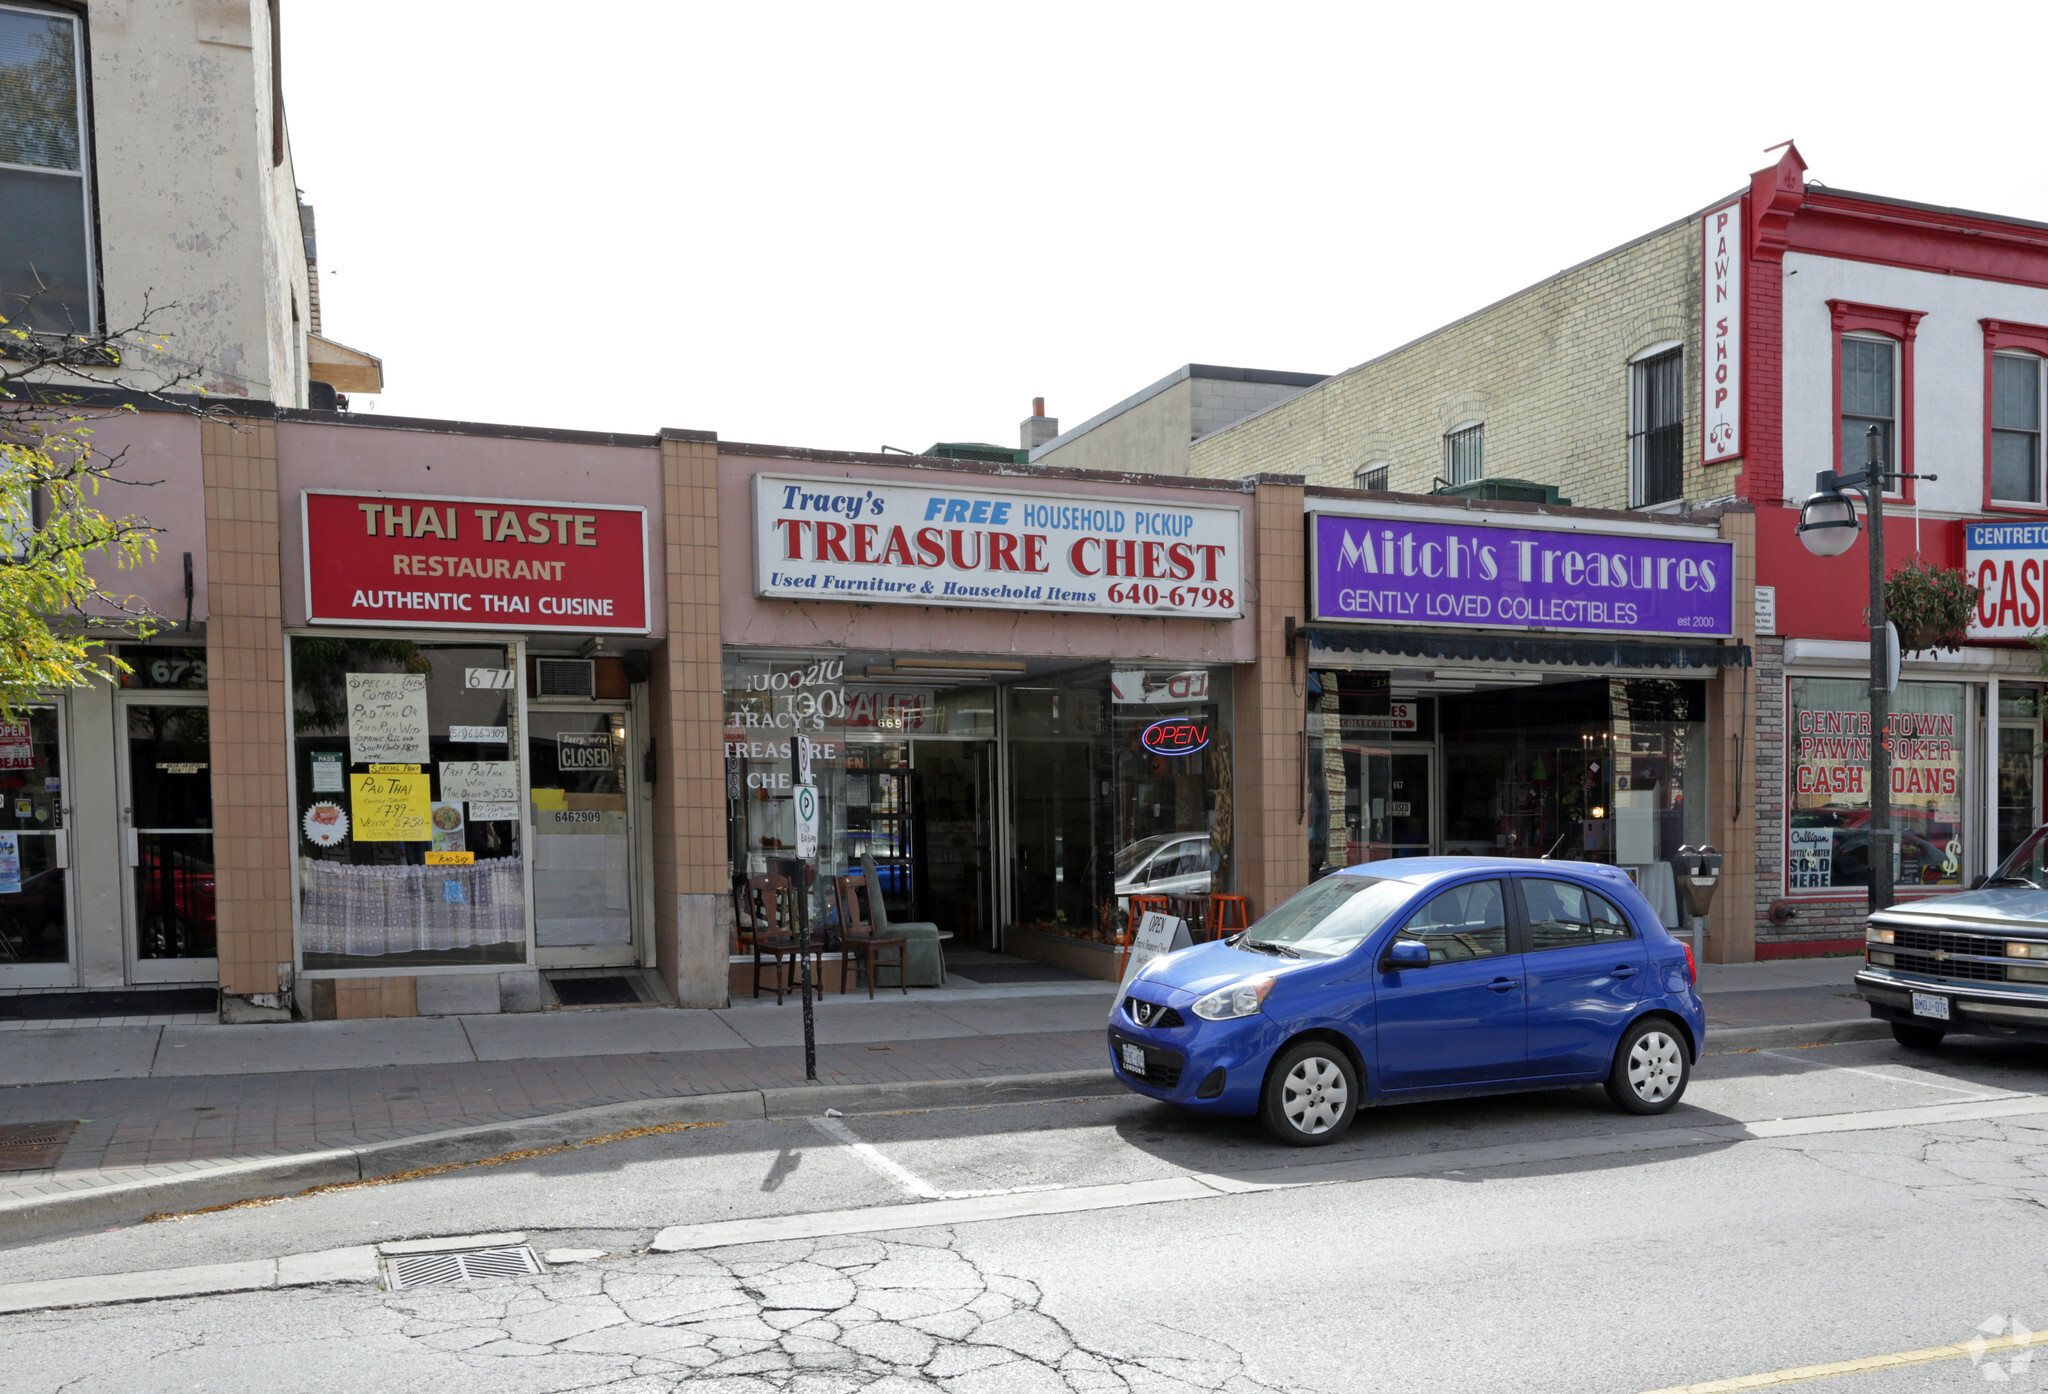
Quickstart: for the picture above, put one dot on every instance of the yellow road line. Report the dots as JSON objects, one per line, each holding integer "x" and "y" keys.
{"x": 1962, "y": 1350}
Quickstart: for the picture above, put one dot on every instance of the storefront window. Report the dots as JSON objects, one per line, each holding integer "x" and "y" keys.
{"x": 1828, "y": 842}
{"x": 33, "y": 925}
{"x": 1122, "y": 784}
{"x": 406, "y": 764}
{"x": 1117, "y": 780}
{"x": 1371, "y": 771}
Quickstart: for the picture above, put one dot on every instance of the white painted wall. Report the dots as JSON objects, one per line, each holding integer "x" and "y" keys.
{"x": 190, "y": 208}
{"x": 1948, "y": 369}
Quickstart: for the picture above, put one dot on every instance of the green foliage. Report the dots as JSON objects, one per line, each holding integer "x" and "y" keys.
{"x": 1931, "y": 605}
{"x": 58, "y": 612}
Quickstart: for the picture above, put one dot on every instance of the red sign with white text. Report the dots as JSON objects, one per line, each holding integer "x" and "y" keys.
{"x": 412, "y": 559}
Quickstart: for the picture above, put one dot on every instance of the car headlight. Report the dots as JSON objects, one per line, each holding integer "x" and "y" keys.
{"x": 1239, "y": 999}
{"x": 1877, "y": 935}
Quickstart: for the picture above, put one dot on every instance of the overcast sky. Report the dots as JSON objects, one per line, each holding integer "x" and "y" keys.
{"x": 849, "y": 225}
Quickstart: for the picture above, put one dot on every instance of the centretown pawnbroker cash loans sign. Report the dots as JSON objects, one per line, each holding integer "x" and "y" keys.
{"x": 1407, "y": 571}
{"x": 818, "y": 538}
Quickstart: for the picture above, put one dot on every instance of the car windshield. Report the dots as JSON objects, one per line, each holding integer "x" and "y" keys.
{"x": 1330, "y": 917}
{"x": 1130, "y": 856}
{"x": 2028, "y": 865}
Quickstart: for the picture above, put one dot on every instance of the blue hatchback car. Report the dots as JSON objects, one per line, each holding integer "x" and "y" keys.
{"x": 1418, "y": 978}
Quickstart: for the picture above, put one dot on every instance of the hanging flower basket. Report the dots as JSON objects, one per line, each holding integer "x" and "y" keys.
{"x": 1931, "y": 605}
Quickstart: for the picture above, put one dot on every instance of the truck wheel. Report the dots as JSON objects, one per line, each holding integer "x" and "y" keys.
{"x": 1650, "y": 1068}
{"x": 1916, "y": 1037}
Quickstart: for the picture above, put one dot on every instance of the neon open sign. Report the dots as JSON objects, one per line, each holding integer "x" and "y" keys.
{"x": 1175, "y": 736}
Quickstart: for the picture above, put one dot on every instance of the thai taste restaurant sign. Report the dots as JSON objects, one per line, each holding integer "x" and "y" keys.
{"x": 819, "y": 538}
{"x": 1405, "y": 571}
{"x": 1721, "y": 334}
{"x": 411, "y": 559}
{"x": 2009, "y": 562}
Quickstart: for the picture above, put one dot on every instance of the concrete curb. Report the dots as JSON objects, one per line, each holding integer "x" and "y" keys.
{"x": 1729, "y": 1041}
{"x": 124, "y": 1200}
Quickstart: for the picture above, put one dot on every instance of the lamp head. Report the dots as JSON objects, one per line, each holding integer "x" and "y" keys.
{"x": 1828, "y": 523}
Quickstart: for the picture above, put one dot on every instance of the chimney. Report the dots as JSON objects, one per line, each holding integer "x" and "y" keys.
{"x": 1038, "y": 428}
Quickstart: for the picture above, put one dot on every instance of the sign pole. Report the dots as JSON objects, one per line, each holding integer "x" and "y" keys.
{"x": 804, "y": 801}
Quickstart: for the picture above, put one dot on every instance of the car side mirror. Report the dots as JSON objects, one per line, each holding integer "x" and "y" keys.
{"x": 1407, "y": 953}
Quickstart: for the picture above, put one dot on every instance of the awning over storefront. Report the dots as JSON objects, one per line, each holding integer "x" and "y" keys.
{"x": 1504, "y": 648}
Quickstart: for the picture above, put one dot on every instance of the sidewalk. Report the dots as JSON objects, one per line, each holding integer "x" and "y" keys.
{"x": 161, "y": 1102}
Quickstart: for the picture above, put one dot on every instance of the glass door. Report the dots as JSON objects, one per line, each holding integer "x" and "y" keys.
{"x": 35, "y": 903}
{"x": 168, "y": 847}
{"x": 953, "y": 838}
{"x": 2019, "y": 766}
{"x": 583, "y": 873}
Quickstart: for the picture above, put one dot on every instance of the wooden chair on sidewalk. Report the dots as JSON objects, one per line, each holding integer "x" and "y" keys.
{"x": 857, "y": 935}
{"x": 773, "y": 905}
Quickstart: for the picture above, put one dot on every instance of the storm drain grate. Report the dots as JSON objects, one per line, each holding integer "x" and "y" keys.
{"x": 34, "y": 1146}
{"x": 425, "y": 1270}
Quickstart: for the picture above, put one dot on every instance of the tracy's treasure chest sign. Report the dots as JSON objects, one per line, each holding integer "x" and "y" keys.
{"x": 1408, "y": 570}
{"x": 820, "y": 538}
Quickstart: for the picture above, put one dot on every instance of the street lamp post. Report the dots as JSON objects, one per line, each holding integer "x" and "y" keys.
{"x": 1828, "y": 527}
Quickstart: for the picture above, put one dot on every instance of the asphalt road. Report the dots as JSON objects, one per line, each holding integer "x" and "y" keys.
{"x": 1802, "y": 1207}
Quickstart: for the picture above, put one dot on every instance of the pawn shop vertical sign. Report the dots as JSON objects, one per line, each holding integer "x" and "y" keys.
{"x": 805, "y": 802}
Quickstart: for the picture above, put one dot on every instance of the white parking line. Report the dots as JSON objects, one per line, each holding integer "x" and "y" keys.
{"x": 912, "y": 1184}
{"x": 1972, "y": 1094}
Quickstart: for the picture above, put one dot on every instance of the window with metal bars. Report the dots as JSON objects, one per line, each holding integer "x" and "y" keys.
{"x": 1374, "y": 476}
{"x": 2016, "y": 428}
{"x": 1656, "y": 429}
{"x": 1465, "y": 454}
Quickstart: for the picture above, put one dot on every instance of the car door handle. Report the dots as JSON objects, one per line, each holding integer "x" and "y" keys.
{"x": 1505, "y": 984}
{"x": 1624, "y": 970}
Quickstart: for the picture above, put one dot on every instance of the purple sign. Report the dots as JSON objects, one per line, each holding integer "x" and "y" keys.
{"x": 1408, "y": 572}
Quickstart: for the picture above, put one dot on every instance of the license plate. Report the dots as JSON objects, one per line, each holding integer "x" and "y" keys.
{"x": 1134, "y": 1058}
{"x": 1924, "y": 1004}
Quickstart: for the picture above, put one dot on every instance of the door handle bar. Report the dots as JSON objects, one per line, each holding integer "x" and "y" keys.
{"x": 1505, "y": 984}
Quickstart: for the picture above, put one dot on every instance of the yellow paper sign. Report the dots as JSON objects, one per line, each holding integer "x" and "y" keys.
{"x": 394, "y": 769}
{"x": 451, "y": 859}
{"x": 550, "y": 799}
{"x": 391, "y": 807}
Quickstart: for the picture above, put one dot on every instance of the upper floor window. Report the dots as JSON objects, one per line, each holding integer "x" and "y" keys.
{"x": 1465, "y": 454}
{"x": 1656, "y": 428}
{"x": 1374, "y": 475}
{"x": 2016, "y": 428}
{"x": 1870, "y": 397}
{"x": 46, "y": 275}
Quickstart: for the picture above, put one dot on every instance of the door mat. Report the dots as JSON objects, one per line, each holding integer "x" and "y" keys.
{"x": 34, "y": 1146}
{"x": 999, "y": 974}
{"x": 595, "y": 992}
{"x": 64, "y": 1006}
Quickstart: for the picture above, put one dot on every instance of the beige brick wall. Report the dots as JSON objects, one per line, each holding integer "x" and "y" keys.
{"x": 690, "y": 867}
{"x": 1152, "y": 437}
{"x": 1272, "y": 835}
{"x": 245, "y": 658}
{"x": 1546, "y": 370}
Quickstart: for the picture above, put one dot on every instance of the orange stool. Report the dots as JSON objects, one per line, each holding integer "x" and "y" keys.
{"x": 1228, "y": 914}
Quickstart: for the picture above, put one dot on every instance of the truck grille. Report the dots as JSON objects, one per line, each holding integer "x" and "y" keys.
{"x": 1940, "y": 954}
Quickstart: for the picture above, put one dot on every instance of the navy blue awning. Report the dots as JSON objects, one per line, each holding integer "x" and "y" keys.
{"x": 1588, "y": 652}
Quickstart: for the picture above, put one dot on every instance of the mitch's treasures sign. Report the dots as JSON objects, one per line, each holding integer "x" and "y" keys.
{"x": 819, "y": 538}
{"x": 411, "y": 559}
{"x": 1406, "y": 571}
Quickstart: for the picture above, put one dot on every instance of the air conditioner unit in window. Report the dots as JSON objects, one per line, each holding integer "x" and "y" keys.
{"x": 564, "y": 677}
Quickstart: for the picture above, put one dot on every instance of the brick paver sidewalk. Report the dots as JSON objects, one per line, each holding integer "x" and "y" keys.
{"x": 131, "y": 1123}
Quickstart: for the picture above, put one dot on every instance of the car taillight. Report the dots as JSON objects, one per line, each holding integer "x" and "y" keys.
{"x": 1692, "y": 971}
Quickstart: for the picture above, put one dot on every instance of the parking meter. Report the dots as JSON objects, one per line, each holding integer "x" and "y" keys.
{"x": 1698, "y": 871}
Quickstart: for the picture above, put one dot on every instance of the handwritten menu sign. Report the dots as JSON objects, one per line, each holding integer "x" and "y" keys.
{"x": 493, "y": 781}
{"x": 387, "y": 718}
{"x": 391, "y": 807}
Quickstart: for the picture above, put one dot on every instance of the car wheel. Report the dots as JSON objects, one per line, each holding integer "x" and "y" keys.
{"x": 1311, "y": 1095}
{"x": 1650, "y": 1068}
{"x": 1916, "y": 1037}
